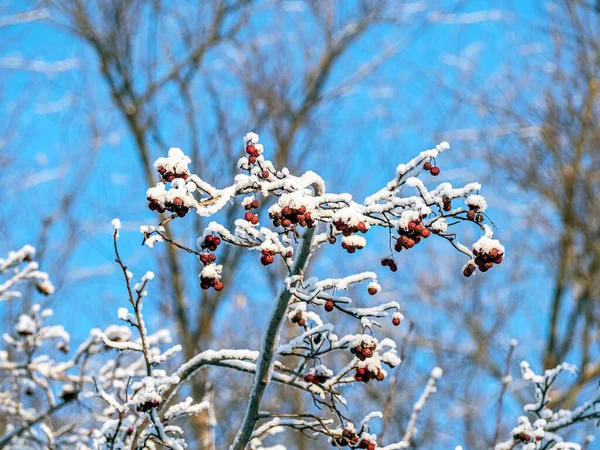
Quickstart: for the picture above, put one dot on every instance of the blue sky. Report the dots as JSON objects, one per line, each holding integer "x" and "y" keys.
{"x": 398, "y": 112}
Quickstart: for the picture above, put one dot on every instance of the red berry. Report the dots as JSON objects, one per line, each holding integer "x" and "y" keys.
{"x": 329, "y": 305}
{"x": 396, "y": 321}
{"x": 266, "y": 260}
{"x": 254, "y": 203}
{"x": 435, "y": 171}
{"x": 252, "y": 159}
{"x": 248, "y": 216}
{"x": 250, "y": 149}
{"x": 218, "y": 286}
{"x": 427, "y": 166}
{"x": 372, "y": 291}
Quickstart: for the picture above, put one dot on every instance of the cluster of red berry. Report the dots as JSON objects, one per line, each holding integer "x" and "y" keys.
{"x": 473, "y": 214}
{"x": 250, "y": 216}
{"x": 147, "y": 406}
{"x": 253, "y": 153}
{"x": 207, "y": 283}
{"x": 347, "y": 229}
{"x": 177, "y": 207}
{"x": 208, "y": 258}
{"x": 317, "y": 378}
{"x": 525, "y": 437}
{"x": 485, "y": 261}
{"x": 169, "y": 176}
{"x": 365, "y": 375}
{"x": 155, "y": 205}
{"x": 433, "y": 170}
{"x": 348, "y": 437}
{"x": 267, "y": 257}
{"x": 299, "y": 319}
{"x": 412, "y": 235}
{"x": 389, "y": 262}
{"x": 447, "y": 203}
{"x": 364, "y": 350}
{"x": 367, "y": 444}
{"x": 352, "y": 245}
{"x": 292, "y": 216}
{"x": 211, "y": 243}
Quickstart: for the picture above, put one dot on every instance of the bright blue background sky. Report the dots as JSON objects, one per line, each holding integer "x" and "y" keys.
{"x": 408, "y": 105}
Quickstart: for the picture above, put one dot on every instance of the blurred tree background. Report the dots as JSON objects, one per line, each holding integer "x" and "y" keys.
{"x": 94, "y": 91}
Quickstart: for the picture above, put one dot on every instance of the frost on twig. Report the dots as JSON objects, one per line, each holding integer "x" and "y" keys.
{"x": 541, "y": 427}
{"x": 121, "y": 372}
{"x": 303, "y": 215}
{"x": 19, "y": 267}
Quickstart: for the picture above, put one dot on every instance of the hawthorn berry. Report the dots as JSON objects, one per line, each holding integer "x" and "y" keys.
{"x": 266, "y": 259}
{"x": 447, "y": 204}
{"x": 211, "y": 243}
{"x": 389, "y": 262}
{"x": 291, "y": 216}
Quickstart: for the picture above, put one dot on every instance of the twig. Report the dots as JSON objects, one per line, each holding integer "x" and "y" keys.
{"x": 505, "y": 381}
{"x": 390, "y": 395}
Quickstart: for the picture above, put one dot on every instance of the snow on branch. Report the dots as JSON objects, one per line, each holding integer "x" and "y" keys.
{"x": 284, "y": 217}
{"x": 303, "y": 215}
{"x": 541, "y": 427}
